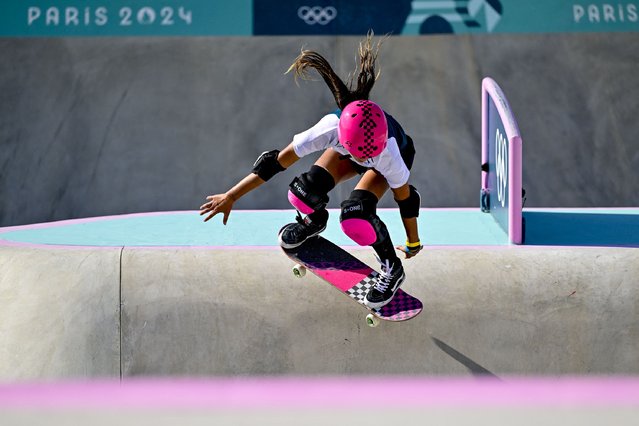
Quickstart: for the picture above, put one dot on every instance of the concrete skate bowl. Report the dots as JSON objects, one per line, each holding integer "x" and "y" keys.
{"x": 166, "y": 295}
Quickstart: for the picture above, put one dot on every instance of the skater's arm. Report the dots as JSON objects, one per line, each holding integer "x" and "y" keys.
{"x": 223, "y": 203}
{"x": 412, "y": 232}
{"x": 285, "y": 158}
{"x": 409, "y": 202}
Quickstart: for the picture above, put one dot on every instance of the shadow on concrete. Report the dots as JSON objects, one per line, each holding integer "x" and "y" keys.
{"x": 582, "y": 229}
{"x": 474, "y": 368}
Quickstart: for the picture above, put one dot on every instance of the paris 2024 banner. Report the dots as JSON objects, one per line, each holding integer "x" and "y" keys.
{"x": 64, "y": 18}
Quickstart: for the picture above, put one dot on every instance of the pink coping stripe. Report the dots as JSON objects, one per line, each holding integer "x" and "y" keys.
{"x": 253, "y": 393}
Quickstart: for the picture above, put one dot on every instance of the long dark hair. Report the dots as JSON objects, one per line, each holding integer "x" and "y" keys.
{"x": 343, "y": 94}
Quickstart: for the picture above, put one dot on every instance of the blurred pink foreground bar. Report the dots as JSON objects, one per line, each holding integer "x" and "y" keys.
{"x": 247, "y": 393}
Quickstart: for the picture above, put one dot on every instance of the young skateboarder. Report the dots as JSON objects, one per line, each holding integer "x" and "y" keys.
{"x": 359, "y": 139}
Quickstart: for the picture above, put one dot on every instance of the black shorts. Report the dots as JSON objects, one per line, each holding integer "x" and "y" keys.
{"x": 407, "y": 151}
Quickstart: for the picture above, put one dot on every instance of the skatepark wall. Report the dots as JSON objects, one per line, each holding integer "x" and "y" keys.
{"x": 103, "y": 126}
{"x": 124, "y": 312}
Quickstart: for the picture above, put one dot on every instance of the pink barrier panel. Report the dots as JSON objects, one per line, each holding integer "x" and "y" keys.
{"x": 492, "y": 96}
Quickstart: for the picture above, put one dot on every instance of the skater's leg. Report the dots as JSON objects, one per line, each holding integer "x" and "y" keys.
{"x": 308, "y": 193}
{"x": 360, "y": 222}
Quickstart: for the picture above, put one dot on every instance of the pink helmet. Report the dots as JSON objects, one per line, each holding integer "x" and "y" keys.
{"x": 362, "y": 129}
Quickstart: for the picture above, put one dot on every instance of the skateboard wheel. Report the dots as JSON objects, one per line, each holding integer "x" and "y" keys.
{"x": 299, "y": 270}
{"x": 372, "y": 320}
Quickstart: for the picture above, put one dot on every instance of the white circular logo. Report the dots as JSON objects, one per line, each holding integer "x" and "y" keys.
{"x": 501, "y": 165}
{"x": 317, "y": 14}
{"x": 146, "y": 16}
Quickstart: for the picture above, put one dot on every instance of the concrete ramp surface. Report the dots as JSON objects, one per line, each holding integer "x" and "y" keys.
{"x": 228, "y": 310}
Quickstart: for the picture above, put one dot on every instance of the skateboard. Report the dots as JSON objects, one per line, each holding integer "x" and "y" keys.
{"x": 351, "y": 276}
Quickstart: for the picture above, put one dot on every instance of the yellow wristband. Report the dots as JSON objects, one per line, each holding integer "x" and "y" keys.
{"x": 413, "y": 245}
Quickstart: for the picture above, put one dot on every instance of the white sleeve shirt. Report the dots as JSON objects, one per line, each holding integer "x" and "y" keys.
{"x": 323, "y": 135}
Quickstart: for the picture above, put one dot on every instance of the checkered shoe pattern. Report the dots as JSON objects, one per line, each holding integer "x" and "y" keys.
{"x": 401, "y": 308}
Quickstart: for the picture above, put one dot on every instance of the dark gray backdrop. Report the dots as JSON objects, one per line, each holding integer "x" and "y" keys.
{"x": 100, "y": 126}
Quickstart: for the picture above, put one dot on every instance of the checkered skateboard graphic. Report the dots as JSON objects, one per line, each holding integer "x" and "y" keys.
{"x": 403, "y": 306}
{"x": 359, "y": 290}
{"x": 351, "y": 276}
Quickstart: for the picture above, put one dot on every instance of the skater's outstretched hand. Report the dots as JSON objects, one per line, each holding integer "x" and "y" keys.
{"x": 410, "y": 251}
{"x": 223, "y": 203}
{"x": 219, "y": 203}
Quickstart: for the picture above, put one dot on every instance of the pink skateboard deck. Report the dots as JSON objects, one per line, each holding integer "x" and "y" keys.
{"x": 351, "y": 276}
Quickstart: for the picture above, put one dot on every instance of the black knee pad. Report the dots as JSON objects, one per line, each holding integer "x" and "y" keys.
{"x": 359, "y": 219}
{"x": 309, "y": 192}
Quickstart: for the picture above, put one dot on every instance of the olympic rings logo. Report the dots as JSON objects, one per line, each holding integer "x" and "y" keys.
{"x": 501, "y": 166}
{"x": 317, "y": 14}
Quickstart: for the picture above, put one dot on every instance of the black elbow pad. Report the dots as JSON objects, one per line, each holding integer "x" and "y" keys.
{"x": 410, "y": 207}
{"x": 266, "y": 166}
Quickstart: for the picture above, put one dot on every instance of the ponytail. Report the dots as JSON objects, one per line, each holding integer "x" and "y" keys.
{"x": 343, "y": 94}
